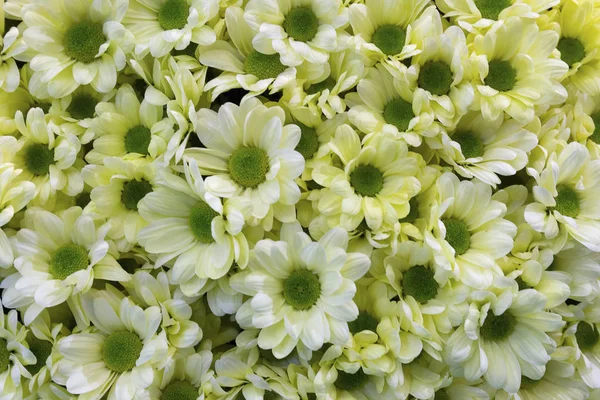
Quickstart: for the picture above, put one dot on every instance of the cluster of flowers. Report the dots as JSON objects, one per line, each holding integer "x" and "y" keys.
{"x": 300, "y": 199}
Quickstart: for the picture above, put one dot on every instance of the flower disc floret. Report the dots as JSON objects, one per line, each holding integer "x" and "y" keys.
{"x": 567, "y": 201}
{"x": 301, "y": 289}
{"x": 419, "y": 283}
{"x": 4, "y": 356}
{"x": 491, "y": 9}
{"x": 457, "y": 235}
{"x": 435, "y": 77}
{"x": 309, "y": 141}
{"x": 200, "y": 222}
{"x": 571, "y": 50}
{"x": 82, "y": 41}
{"x": 38, "y": 158}
{"x": 121, "y": 351}
{"x": 501, "y": 76}
{"x": 67, "y": 260}
{"x": 248, "y": 166}
{"x": 470, "y": 145}
{"x": 498, "y": 327}
{"x": 41, "y": 349}
{"x": 179, "y": 390}
{"x": 133, "y": 192}
{"x": 366, "y": 180}
{"x": 173, "y": 14}
{"x": 398, "y": 112}
{"x": 263, "y": 66}
{"x": 301, "y": 24}
{"x": 82, "y": 106}
{"x": 137, "y": 140}
{"x": 389, "y": 39}
{"x": 587, "y": 335}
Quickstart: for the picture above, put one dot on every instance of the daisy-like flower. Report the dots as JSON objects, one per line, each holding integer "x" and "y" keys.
{"x": 469, "y": 231}
{"x": 515, "y": 70}
{"x": 503, "y": 337}
{"x": 116, "y": 354}
{"x": 383, "y": 30}
{"x": 12, "y": 50}
{"x": 299, "y": 30}
{"x": 565, "y": 197}
{"x": 117, "y": 188}
{"x": 130, "y": 129}
{"x": 384, "y": 104}
{"x": 373, "y": 183}
{"x": 485, "y": 149}
{"x": 300, "y": 290}
{"x": 46, "y": 159}
{"x": 583, "y": 267}
{"x": 56, "y": 258}
{"x": 579, "y": 42}
{"x": 584, "y": 336}
{"x": 15, "y": 355}
{"x": 193, "y": 227}
{"x": 160, "y": 26}
{"x": 249, "y": 155}
{"x": 78, "y": 43}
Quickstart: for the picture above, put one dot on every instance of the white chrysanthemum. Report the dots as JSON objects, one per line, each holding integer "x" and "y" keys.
{"x": 57, "y": 257}
{"x": 469, "y": 231}
{"x": 79, "y": 42}
{"x": 117, "y": 188}
{"x": 249, "y": 155}
{"x": 192, "y": 227}
{"x": 584, "y": 337}
{"x": 583, "y": 267}
{"x": 516, "y": 70}
{"x": 130, "y": 129}
{"x": 299, "y": 30}
{"x": 116, "y": 354}
{"x": 46, "y": 159}
{"x": 485, "y": 149}
{"x": 12, "y": 50}
{"x": 503, "y": 337}
{"x": 565, "y": 195}
{"x": 160, "y": 26}
{"x": 373, "y": 182}
{"x": 387, "y": 105}
{"x": 300, "y": 290}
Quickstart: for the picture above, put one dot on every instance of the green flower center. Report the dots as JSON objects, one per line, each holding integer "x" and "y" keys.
{"x": 571, "y": 50}
{"x": 38, "y": 158}
{"x": 263, "y": 66}
{"x": 328, "y": 83}
{"x": 567, "y": 201}
{"x": 595, "y": 137}
{"x": 457, "y": 235}
{"x": 364, "y": 322}
{"x": 441, "y": 395}
{"x": 389, "y": 39}
{"x": 137, "y": 140}
{"x": 301, "y": 289}
{"x": 398, "y": 113}
{"x": 309, "y": 141}
{"x": 528, "y": 383}
{"x": 435, "y": 77}
{"x": 501, "y": 75}
{"x": 413, "y": 213}
{"x": 180, "y": 390}
{"x": 82, "y": 41}
{"x": 366, "y": 180}
{"x": 133, "y": 192}
{"x": 470, "y": 145}
{"x": 67, "y": 260}
{"x": 301, "y": 24}
{"x": 82, "y": 106}
{"x": 346, "y": 381}
{"x": 173, "y": 14}
{"x": 491, "y": 9}
{"x": 41, "y": 349}
{"x": 121, "y": 350}
{"x": 4, "y": 356}
{"x": 419, "y": 283}
{"x": 200, "y": 221}
{"x": 587, "y": 335}
{"x": 248, "y": 166}
{"x": 497, "y": 327}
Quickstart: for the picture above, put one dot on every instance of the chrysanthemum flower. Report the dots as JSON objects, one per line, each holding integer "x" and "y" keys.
{"x": 373, "y": 182}
{"x": 516, "y": 71}
{"x": 161, "y": 26}
{"x": 503, "y": 337}
{"x": 585, "y": 337}
{"x": 469, "y": 231}
{"x": 300, "y": 290}
{"x": 12, "y": 50}
{"x": 57, "y": 257}
{"x": 583, "y": 267}
{"x": 77, "y": 44}
{"x": 250, "y": 155}
{"x": 116, "y": 354}
{"x": 299, "y": 30}
{"x": 565, "y": 197}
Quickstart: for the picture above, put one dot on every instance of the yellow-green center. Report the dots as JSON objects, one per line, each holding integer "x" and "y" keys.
{"x": 41, "y": 349}
{"x": 82, "y": 41}
{"x": 121, "y": 350}
{"x": 587, "y": 335}
{"x": 4, "y": 356}
{"x": 567, "y": 201}
{"x": 457, "y": 235}
{"x": 137, "y": 140}
{"x": 67, "y": 260}
{"x": 498, "y": 327}
{"x": 364, "y": 322}
{"x": 470, "y": 145}
{"x": 349, "y": 382}
{"x": 179, "y": 390}
{"x": 38, "y": 158}
{"x": 366, "y": 180}
{"x": 200, "y": 222}
{"x": 301, "y": 289}
{"x": 398, "y": 112}
{"x": 491, "y": 9}
{"x": 419, "y": 283}
{"x": 82, "y": 106}
{"x": 501, "y": 75}
{"x": 301, "y": 24}
{"x": 309, "y": 141}
{"x": 263, "y": 66}
{"x": 248, "y": 166}
{"x": 436, "y": 77}
{"x": 133, "y": 192}
{"x": 389, "y": 39}
{"x": 173, "y": 14}
{"x": 571, "y": 50}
